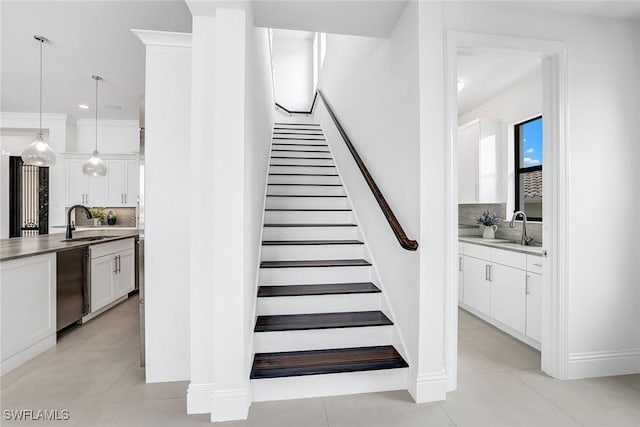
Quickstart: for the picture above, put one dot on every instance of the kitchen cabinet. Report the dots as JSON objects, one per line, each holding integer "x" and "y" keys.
{"x": 504, "y": 288}
{"x": 112, "y": 272}
{"x": 508, "y": 298}
{"x": 477, "y": 289}
{"x": 119, "y": 188}
{"x": 534, "y": 306}
{"x": 481, "y": 173}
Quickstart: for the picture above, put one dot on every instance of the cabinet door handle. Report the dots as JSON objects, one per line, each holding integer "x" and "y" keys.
{"x": 115, "y": 265}
{"x": 487, "y": 273}
{"x": 126, "y": 198}
{"x": 119, "y": 265}
{"x": 460, "y": 264}
{"x": 538, "y": 265}
{"x": 526, "y": 285}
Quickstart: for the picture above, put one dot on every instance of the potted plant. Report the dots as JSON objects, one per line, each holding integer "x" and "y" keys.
{"x": 490, "y": 223}
{"x": 97, "y": 214}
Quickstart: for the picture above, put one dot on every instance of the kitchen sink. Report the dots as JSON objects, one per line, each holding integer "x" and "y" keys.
{"x": 88, "y": 238}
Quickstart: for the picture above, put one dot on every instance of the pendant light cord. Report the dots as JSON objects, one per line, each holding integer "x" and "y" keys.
{"x": 41, "y": 43}
{"x": 96, "y": 149}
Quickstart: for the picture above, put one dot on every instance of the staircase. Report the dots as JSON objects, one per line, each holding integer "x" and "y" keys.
{"x": 320, "y": 327}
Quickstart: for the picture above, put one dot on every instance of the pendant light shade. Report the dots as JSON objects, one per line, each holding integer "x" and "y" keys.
{"x": 95, "y": 166}
{"x": 39, "y": 153}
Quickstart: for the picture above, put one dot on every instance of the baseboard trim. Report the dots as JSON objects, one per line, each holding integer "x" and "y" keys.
{"x": 199, "y": 397}
{"x": 23, "y": 356}
{"x": 429, "y": 387}
{"x": 230, "y": 405}
{"x": 604, "y": 363}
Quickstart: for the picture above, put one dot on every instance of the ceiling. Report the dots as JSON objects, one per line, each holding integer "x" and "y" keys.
{"x": 87, "y": 37}
{"x": 607, "y": 9}
{"x": 485, "y": 76}
{"x": 373, "y": 18}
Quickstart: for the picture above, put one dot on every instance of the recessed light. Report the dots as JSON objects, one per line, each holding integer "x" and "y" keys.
{"x": 460, "y": 85}
{"x": 84, "y": 107}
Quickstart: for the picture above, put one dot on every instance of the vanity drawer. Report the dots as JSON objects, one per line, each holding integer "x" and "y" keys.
{"x": 510, "y": 258}
{"x": 535, "y": 264}
{"x": 477, "y": 251}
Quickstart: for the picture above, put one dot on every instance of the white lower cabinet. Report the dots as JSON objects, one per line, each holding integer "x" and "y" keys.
{"x": 534, "y": 306}
{"x": 508, "y": 304}
{"x": 499, "y": 286}
{"x": 477, "y": 289}
{"x": 112, "y": 272}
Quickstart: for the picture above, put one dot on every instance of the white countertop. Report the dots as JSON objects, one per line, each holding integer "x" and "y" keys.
{"x": 505, "y": 244}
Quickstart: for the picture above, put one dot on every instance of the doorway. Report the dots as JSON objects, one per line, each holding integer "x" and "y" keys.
{"x": 28, "y": 199}
{"x": 552, "y": 57}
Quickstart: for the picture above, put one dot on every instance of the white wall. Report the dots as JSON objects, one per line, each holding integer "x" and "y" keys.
{"x": 258, "y": 128}
{"x": 604, "y": 330}
{"x": 114, "y": 136}
{"x": 293, "y": 70}
{"x": 167, "y": 163}
{"x": 371, "y": 85}
{"x": 520, "y": 102}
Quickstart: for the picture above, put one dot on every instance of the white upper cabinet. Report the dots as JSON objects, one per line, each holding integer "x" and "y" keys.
{"x": 481, "y": 172}
{"x": 118, "y": 188}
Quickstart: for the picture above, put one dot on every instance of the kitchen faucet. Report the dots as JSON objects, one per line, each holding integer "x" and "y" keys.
{"x": 69, "y": 228}
{"x": 524, "y": 240}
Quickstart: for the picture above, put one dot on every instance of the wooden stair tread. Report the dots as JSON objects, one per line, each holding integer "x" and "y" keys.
{"x": 297, "y": 144}
{"x": 333, "y": 361}
{"x": 316, "y": 263}
{"x": 310, "y": 225}
{"x": 305, "y": 158}
{"x": 301, "y": 322}
{"x": 302, "y": 151}
{"x": 310, "y": 242}
{"x": 306, "y": 195}
{"x": 320, "y": 289}
{"x": 305, "y": 166}
{"x": 304, "y": 174}
{"x": 309, "y": 185}
{"x": 298, "y": 133}
{"x": 308, "y": 210}
{"x": 300, "y": 139}
{"x": 295, "y": 124}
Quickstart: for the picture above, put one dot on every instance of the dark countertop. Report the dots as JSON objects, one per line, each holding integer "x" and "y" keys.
{"x": 20, "y": 247}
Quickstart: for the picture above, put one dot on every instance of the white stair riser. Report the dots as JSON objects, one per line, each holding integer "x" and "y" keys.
{"x": 310, "y": 233}
{"x": 312, "y": 162}
{"x": 297, "y": 129}
{"x": 319, "y": 304}
{"x": 314, "y": 275}
{"x": 308, "y": 217}
{"x": 303, "y": 169}
{"x": 283, "y": 145}
{"x": 321, "y": 339}
{"x": 303, "y": 179}
{"x": 305, "y": 190}
{"x": 329, "y": 385}
{"x": 307, "y": 203}
{"x": 277, "y": 151}
{"x": 311, "y": 252}
{"x": 299, "y": 139}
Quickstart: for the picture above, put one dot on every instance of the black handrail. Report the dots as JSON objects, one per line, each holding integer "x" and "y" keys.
{"x": 313, "y": 105}
{"x": 405, "y": 242}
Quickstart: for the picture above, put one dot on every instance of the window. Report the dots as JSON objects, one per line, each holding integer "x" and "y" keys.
{"x": 528, "y": 168}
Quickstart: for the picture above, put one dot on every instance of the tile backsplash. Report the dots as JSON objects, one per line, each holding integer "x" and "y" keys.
{"x": 124, "y": 217}
{"x": 468, "y": 215}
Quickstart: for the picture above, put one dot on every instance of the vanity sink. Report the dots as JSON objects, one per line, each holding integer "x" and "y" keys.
{"x": 88, "y": 238}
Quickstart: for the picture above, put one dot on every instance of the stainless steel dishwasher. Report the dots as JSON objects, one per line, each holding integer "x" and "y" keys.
{"x": 72, "y": 286}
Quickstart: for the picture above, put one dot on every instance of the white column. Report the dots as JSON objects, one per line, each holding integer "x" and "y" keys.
{"x": 167, "y": 164}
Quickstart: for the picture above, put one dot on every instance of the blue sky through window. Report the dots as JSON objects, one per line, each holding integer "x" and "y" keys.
{"x": 531, "y": 146}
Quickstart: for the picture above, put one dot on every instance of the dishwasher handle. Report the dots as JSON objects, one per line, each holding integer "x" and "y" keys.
{"x": 86, "y": 288}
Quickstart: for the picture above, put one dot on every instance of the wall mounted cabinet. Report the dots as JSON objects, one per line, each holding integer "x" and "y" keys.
{"x": 118, "y": 188}
{"x": 481, "y": 173}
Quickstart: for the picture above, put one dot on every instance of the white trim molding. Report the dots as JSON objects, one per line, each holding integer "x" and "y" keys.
{"x": 603, "y": 363}
{"x": 429, "y": 387}
{"x": 229, "y": 405}
{"x": 163, "y": 38}
{"x": 199, "y": 398}
{"x": 554, "y": 344}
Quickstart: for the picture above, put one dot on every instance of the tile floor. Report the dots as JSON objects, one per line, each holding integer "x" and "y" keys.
{"x": 94, "y": 373}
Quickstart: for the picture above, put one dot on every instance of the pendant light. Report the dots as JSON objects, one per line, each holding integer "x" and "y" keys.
{"x": 39, "y": 153}
{"x": 95, "y": 166}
